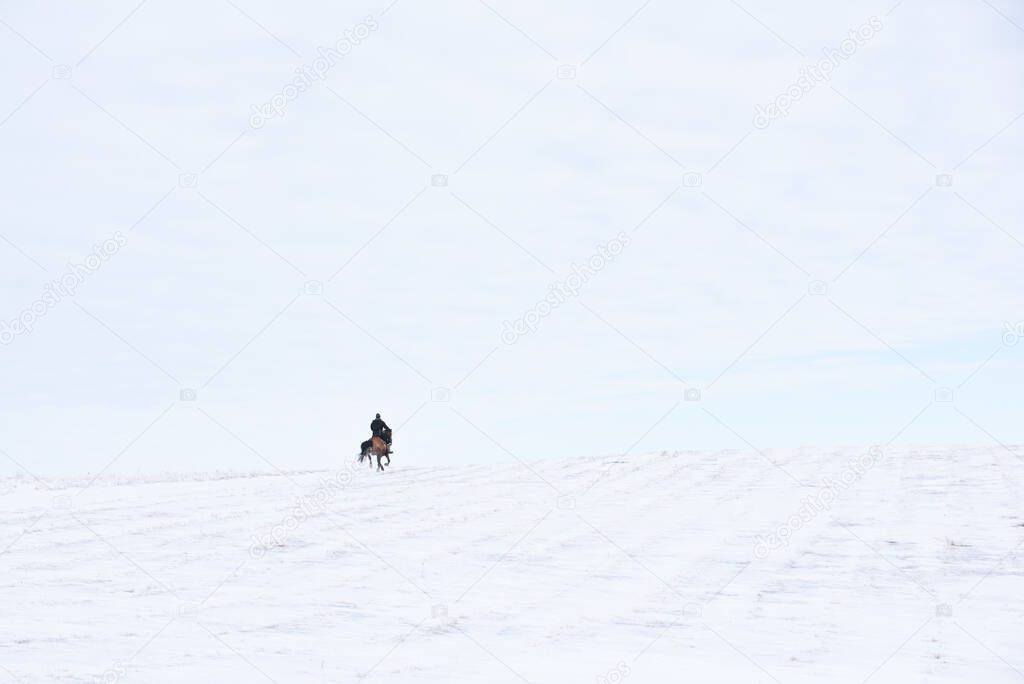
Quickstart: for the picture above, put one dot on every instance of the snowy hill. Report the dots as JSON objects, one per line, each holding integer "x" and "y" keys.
{"x": 796, "y": 566}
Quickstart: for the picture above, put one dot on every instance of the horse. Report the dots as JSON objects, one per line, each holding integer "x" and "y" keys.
{"x": 375, "y": 446}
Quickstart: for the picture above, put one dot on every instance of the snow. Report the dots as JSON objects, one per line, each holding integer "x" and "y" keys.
{"x": 651, "y": 568}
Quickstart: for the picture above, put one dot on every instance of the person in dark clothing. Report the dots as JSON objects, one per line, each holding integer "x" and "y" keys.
{"x": 378, "y": 426}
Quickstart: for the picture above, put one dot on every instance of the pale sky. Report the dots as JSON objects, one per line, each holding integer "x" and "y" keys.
{"x": 820, "y": 280}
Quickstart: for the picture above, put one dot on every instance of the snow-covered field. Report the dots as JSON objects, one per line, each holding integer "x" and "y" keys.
{"x": 901, "y": 566}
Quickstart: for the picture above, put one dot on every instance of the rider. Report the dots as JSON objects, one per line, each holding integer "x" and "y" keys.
{"x": 378, "y": 426}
